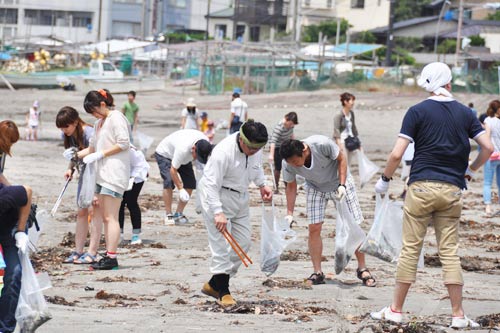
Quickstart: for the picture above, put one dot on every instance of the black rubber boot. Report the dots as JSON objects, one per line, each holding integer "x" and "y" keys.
{"x": 221, "y": 284}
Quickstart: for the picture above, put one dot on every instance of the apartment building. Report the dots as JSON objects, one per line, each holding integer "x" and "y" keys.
{"x": 77, "y": 21}
{"x": 362, "y": 14}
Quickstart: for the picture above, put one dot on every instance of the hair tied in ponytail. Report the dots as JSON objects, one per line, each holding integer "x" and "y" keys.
{"x": 103, "y": 93}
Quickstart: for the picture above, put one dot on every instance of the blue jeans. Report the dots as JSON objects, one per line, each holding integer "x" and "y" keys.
{"x": 12, "y": 284}
{"x": 490, "y": 168}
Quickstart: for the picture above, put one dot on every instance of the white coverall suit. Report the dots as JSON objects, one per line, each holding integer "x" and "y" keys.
{"x": 224, "y": 188}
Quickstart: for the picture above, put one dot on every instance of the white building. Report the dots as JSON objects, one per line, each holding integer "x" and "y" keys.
{"x": 78, "y": 21}
{"x": 362, "y": 14}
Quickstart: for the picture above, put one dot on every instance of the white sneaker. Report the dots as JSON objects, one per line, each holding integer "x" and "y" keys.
{"x": 169, "y": 219}
{"x": 463, "y": 322}
{"x": 136, "y": 240}
{"x": 387, "y": 314}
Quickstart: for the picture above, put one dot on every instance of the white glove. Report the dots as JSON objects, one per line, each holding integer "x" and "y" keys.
{"x": 381, "y": 186}
{"x": 184, "y": 195}
{"x": 341, "y": 192}
{"x": 70, "y": 153}
{"x": 130, "y": 183}
{"x": 99, "y": 155}
{"x": 22, "y": 241}
{"x": 469, "y": 174}
{"x": 289, "y": 219}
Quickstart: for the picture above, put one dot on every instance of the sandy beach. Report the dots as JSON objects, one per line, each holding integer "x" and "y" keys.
{"x": 157, "y": 288}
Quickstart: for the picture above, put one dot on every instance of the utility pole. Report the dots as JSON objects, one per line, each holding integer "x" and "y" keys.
{"x": 208, "y": 19}
{"x": 236, "y": 17}
{"x": 99, "y": 22}
{"x": 205, "y": 58}
{"x": 459, "y": 30}
{"x": 143, "y": 19}
{"x": 296, "y": 22}
{"x": 390, "y": 37}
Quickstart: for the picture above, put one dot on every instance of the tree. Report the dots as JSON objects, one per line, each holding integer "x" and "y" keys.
{"x": 328, "y": 28}
{"x": 477, "y": 40}
{"x": 495, "y": 16}
{"x": 407, "y": 9}
{"x": 447, "y": 46}
{"x": 364, "y": 37}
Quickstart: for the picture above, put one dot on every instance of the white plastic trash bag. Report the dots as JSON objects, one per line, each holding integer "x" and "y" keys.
{"x": 42, "y": 217}
{"x": 276, "y": 235}
{"x": 367, "y": 169}
{"x": 32, "y": 309}
{"x": 88, "y": 186}
{"x": 384, "y": 240}
{"x": 143, "y": 141}
{"x": 348, "y": 238}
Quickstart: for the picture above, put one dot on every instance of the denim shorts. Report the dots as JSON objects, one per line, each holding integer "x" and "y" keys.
{"x": 106, "y": 191}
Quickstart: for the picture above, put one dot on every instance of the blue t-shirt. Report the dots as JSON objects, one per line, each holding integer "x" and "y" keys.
{"x": 441, "y": 132}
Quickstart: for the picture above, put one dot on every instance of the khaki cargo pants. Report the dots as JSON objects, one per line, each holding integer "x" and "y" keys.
{"x": 441, "y": 202}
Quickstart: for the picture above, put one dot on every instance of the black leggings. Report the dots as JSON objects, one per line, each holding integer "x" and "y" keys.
{"x": 130, "y": 200}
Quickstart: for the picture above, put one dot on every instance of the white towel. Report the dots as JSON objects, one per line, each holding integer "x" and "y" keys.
{"x": 434, "y": 76}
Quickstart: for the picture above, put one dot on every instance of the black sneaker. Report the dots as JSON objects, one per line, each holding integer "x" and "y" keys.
{"x": 106, "y": 263}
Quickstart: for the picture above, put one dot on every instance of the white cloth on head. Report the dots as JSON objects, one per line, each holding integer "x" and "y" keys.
{"x": 434, "y": 76}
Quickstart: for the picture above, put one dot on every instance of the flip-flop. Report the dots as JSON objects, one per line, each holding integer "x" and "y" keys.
{"x": 85, "y": 259}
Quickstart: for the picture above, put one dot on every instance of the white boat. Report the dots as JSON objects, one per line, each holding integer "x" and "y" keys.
{"x": 117, "y": 85}
{"x": 103, "y": 74}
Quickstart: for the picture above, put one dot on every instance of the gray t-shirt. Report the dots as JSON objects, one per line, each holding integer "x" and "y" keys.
{"x": 322, "y": 175}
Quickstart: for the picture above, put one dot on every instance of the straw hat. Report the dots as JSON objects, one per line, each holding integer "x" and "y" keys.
{"x": 190, "y": 102}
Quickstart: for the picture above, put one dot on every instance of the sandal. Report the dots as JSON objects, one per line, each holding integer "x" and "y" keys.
{"x": 85, "y": 258}
{"x": 72, "y": 257}
{"x": 316, "y": 278}
{"x": 365, "y": 279}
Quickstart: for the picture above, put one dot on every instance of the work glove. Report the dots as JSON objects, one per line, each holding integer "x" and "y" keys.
{"x": 289, "y": 219}
{"x": 22, "y": 241}
{"x": 469, "y": 174}
{"x": 70, "y": 153}
{"x": 99, "y": 155}
{"x": 341, "y": 192}
{"x": 382, "y": 186}
{"x": 184, "y": 195}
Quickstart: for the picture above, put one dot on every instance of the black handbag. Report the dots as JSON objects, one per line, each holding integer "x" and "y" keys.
{"x": 352, "y": 143}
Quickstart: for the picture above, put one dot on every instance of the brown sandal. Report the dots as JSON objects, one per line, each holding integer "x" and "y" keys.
{"x": 365, "y": 279}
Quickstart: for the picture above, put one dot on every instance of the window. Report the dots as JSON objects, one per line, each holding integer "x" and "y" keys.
{"x": 329, "y": 3}
{"x": 254, "y": 34}
{"x": 8, "y": 16}
{"x": 307, "y": 3}
{"x": 57, "y": 18}
{"x": 107, "y": 67}
{"x": 220, "y": 31}
{"x": 358, "y": 4}
{"x": 178, "y": 3}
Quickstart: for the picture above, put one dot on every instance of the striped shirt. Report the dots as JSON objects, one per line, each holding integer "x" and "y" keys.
{"x": 280, "y": 134}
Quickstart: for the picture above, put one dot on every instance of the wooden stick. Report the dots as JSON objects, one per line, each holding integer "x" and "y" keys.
{"x": 229, "y": 240}
{"x": 239, "y": 247}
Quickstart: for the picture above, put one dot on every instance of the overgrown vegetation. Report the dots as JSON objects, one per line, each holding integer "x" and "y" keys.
{"x": 495, "y": 16}
{"x": 328, "y": 28}
{"x": 407, "y": 9}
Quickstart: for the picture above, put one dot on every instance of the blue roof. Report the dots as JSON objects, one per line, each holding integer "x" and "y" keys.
{"x": 354, "y": 48}
{"x": 5, "y": 56}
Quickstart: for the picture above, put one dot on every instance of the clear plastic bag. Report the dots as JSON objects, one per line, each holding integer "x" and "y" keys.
{"x": 88, "y": 186}
{"x": 143, "y": 141}
{"x": 349, "y": 236}
{"x": 42, "y": 217}
{"x": 367, "y": 169}
{"x": 384, "y": 240}
{"x": 276, "y": 235}
{"x": 32, "y": 309}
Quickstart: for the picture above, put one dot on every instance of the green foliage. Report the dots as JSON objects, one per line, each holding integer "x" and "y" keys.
{"x": 447, "y": 46}
{"x": 411, "y": 44}
{"x": 407, "y": 9}
{"x": 181, "y": 37}
{"x": 495, "y": 16}
{"x": 399, "y": 56}
{"x": 364, "y": 37}
{"x": 328, "y": 28}
{"x": 477, "y": 40}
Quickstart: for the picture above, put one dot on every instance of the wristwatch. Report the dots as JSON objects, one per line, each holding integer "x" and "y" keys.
{"x": 385, "y": 179}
